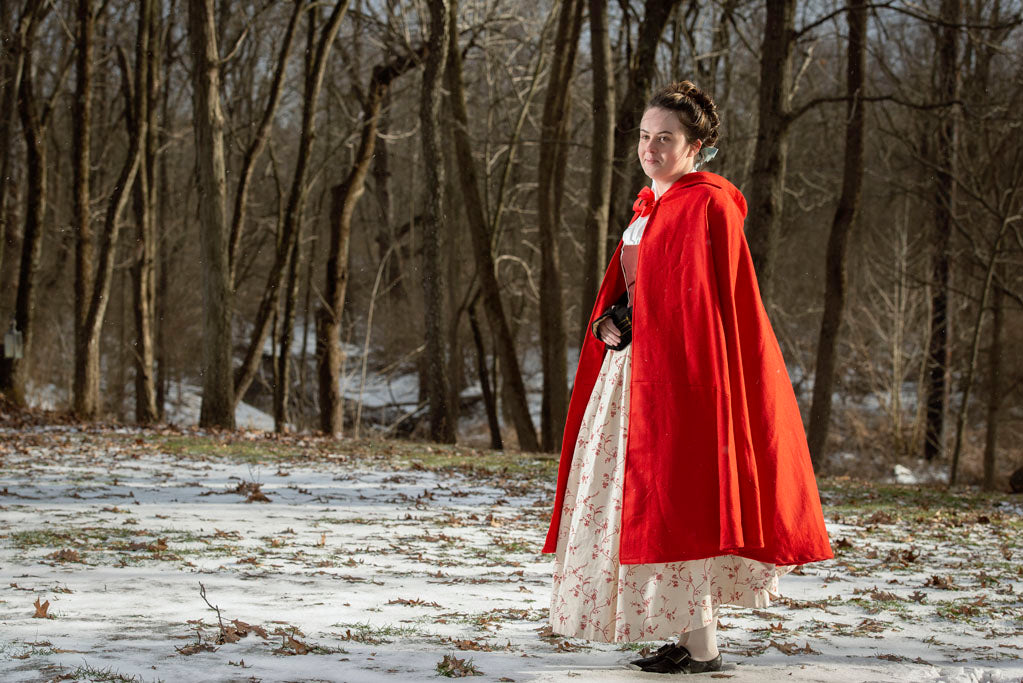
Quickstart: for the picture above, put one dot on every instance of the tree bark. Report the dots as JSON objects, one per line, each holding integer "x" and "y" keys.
{"x": 770, "y": 155}
{"x": 99, "y": 296}
{"x": 34, "y": 121}
{"x": 601, "y": 162}
{"x": 640, "y": 73}
{"x": 218, "y": 396}
{"x": 259, "y": 140}
{"x": 293, "y": 216}
{"x": 489, "y": 401}
{"x": 291, "y": 222}
{"x": 944, "y": 202}
{"x": 971, "y": 365}
{"x": 550, "y": 175}
{"x": 161, "y": 236}
{"x": 994, "y": 395}
{"x": 344, "y": 197}
{"x": 443, "y": 415}
{"x": 479, "y": 233}
{"x": 85, "y": 401}
{"x": 143, "y": 269}
{"x": 845, "y": 218}
{"x": 12, "y": 41}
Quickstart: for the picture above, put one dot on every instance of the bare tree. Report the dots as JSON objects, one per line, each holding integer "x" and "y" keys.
{"x": 443, "y": 415}
{"x": 291, "y": 221}
{"x": 601, "y": 161}
{"x": 35, "y": 113}
{"x": 947, "y": 48}
{"x": 995, "y": 393}
{"x": 143, "y": 270}
{"x": 845, "y": 218}
{"x": 259, "y": 140}
{"x": 12, "y": 39}
{"x": 550, "y": 174}
{"x": 479, "y": 233}
{"x": 85, "y": 393}
{"x": 638, "y": 77}
{"x": 770, "y": 157}
{"x": 218, "y": 387}
{"x": 344, "y": 197}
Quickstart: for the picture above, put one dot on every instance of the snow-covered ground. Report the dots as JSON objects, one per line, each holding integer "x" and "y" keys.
{"x": 375, "y": 560}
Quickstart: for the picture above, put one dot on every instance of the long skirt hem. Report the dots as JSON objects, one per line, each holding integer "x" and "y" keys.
{"x": 597, "y": 598}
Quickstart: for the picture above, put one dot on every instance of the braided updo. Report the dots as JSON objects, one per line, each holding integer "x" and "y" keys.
{"x": 695, "y": 109}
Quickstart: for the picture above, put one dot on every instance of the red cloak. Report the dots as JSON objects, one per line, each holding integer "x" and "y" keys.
{"x": 716, "y": 458}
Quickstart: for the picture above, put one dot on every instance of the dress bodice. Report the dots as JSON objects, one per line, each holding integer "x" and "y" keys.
{"x": 630, "y": 253}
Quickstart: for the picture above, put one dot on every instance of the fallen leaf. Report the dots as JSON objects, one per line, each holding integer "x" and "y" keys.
{"x": 41, "y": 610}
{"x": 793, "y": 649}
{"x": 453, "y": 667}
{"x": 194, "y": 648}
{"x": 942, "y": 582}
{"x": 66, "y": 555}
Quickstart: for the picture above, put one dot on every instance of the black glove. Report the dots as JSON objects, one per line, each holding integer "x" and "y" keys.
{"x": 621, "y": 315}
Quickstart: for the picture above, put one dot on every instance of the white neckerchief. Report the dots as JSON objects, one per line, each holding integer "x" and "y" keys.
{"x": 634, "y": 233}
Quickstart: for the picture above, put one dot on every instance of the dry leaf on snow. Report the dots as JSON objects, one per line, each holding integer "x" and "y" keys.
{"x": 41, "y": 612}
{"x": 793, "y": 649}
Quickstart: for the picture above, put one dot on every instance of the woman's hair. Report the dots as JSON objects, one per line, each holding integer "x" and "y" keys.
{"x": 695, "y": 110}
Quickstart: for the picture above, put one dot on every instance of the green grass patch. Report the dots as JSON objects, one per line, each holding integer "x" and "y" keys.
{"x": 364, "y": 632}
{"x": 396, "y": 453}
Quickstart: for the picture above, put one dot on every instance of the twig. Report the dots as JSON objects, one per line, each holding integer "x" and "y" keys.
{"x": 202, "y": 593}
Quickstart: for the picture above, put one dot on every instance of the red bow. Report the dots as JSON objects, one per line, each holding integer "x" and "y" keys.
{"x": 644, "y": 203}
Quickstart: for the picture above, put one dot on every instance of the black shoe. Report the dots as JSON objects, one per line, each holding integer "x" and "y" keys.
{"x": 679, "y": 661}
{"x": 656, "y": 656}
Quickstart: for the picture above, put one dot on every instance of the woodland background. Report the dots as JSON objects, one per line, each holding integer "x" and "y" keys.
{"x": 256, "y": 197}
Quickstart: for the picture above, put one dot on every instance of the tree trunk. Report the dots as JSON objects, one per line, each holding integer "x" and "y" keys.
{"x": 479, "y": 233}
{"x": 12, "y": 39}
{"x": 994, "y": 395}
{"x": 85, "y": 401}
{"x": 143, "y": 269}
{"x": 550, "y": 175}
{"x": 640, "y": 73}
{"x": 489, "y": 401}
{"x": 259, "y": 140}
{"x": 217, "y": 400}
{"x": 291, "y": 223}
{"x": 601, "y": 161}
{"x": 944, "y": 203}
{"x": 13, "y": 371}
{"x": 161, "y": 234}
{"x": 387, "y": 236}
{"x": 763, "y": 223}
{"x": 443, "y": 415}
{"x": 845, "y": 218}
{"x": 99, "y": 296}
{"x": 293, "y": 217}
{"x": 344, "y": 197}
{"x": 971, "y": 365}
{"x": 282, "y": 388}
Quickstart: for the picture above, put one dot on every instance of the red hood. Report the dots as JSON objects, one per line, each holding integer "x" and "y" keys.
{"x": 712, "y": 179}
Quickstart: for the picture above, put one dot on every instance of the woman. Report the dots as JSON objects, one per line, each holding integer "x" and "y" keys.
{"x": 685, "y": 480}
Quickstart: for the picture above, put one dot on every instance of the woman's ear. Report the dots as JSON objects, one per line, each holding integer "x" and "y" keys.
{"x": 696, "y": 147}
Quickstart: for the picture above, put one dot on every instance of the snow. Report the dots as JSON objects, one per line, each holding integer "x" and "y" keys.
{"x": 184, "y": 403}
{"x": 381, "y": 566}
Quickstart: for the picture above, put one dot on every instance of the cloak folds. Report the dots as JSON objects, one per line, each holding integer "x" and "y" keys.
{"x": 716, "y": 459}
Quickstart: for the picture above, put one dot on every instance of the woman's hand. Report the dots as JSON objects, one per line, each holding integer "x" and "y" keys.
{"x": 608, "y": 332}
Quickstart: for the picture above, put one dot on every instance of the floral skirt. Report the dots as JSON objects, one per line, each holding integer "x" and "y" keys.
{"x": 597, "y": 598}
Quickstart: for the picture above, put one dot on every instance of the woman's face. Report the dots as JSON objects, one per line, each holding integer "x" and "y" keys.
{"x": 663, "y": 150}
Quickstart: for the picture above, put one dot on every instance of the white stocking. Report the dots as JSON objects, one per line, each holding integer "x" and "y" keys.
{"x": 702, "y": 643}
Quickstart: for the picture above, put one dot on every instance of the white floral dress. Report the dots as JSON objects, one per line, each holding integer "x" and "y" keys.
{"x": 597, "y": 598}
